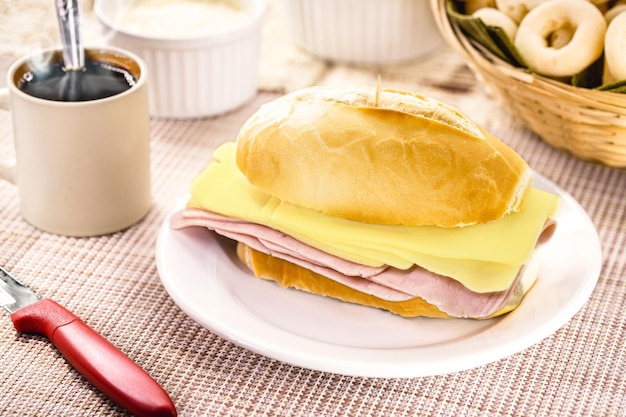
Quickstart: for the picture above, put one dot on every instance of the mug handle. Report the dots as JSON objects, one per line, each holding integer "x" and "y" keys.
{"x": 7, "y": 167}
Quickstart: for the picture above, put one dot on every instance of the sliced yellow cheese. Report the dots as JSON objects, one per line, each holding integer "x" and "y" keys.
{"x": 484, "y": 257}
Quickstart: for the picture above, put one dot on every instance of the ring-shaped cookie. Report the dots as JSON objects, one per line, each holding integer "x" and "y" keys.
{"x": 494, "y": 17}
{"x": 534, "y": 38}
{"x": 615, "y": 47}
{"x": 517, "y": 9}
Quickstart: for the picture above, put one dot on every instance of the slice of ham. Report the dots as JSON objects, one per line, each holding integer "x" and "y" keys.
{"x": 384, "y": 282}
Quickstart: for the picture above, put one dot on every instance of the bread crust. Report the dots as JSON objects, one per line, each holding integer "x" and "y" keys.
{"x": 290, "y": 275}
{"x": 414, "y": 161}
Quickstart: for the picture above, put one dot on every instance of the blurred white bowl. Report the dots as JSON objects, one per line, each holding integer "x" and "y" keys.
{"x": 363, "y": 31}
{"x": 194, "y": 71}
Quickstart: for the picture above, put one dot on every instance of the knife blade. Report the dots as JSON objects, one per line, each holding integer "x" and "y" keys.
{"x": 98, "y": 360}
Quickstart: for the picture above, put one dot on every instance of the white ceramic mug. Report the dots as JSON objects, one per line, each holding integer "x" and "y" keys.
{"x": 81, "y": 168}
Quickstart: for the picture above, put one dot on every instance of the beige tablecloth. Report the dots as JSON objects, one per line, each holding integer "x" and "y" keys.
{"x": 112, "y": 283}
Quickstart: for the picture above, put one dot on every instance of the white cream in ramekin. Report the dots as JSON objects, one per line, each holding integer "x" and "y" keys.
{"x": 203, "y": 56}
{"x": 363, "y": 31}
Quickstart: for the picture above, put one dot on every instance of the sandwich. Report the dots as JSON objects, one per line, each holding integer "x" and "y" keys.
{"x": 379, "y": 197}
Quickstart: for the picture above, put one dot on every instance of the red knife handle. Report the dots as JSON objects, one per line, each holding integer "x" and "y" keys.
{"x": 97, "y": 359}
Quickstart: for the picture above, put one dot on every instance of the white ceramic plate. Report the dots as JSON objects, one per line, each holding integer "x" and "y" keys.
{"x": 203, "y": 276}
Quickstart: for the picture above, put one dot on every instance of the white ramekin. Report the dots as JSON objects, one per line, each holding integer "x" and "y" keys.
{"x": 196, "y": 77}
{"x": 362, "y": 31}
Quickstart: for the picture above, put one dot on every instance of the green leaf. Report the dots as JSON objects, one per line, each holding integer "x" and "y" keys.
{"x": 507, "y": 46}
{"x": 493, "y": 38}
{"x": 591, "y": 77}
{"x": 616, "y": 87}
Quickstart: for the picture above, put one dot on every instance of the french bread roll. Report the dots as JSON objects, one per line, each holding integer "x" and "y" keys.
{"x": 357, "y": 194}
{"x": 380, "y": 156}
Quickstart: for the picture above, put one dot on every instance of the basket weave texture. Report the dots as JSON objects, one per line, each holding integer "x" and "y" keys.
{"x": 589, "y": 124}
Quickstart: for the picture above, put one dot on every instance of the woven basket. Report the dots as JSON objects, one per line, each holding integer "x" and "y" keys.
{"x": 589, "y": 124}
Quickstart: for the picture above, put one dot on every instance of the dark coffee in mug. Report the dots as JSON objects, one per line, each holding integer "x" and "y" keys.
{"x": 99, "y": 78}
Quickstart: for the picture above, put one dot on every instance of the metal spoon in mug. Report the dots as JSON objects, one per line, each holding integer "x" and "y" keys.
{"x": 68, "y": 15}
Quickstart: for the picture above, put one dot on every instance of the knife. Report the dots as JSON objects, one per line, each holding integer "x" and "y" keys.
{"x": 97, "y": 359}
